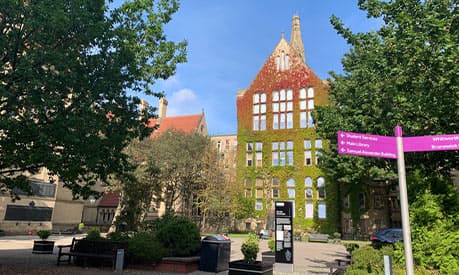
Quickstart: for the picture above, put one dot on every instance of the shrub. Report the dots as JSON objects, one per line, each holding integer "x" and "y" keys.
{"x": 350, "y": 247}
{"x": 178, "y": 236}
{"x": 43, "y": 234}
{"x": 93, "y": 235}
{"x": 250, "y": 249}
{"x": 272, "y": 244}
{"x": 118, "y": 236}
{"x": 336, "y": 235}
{"x": 144, "y": 247}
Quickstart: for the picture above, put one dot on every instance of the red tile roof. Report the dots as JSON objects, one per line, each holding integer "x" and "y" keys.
{"x": 110, "y": 199}
{"x": 187, "y": 124}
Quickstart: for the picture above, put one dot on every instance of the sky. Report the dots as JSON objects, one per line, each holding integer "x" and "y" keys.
{"x": 230, "y": 40}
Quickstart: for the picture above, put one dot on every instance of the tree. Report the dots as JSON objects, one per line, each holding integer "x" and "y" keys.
{"x": 215, "y": 195}
{"x": 66, "y": 69}
{"x": 405, "y": 73}
{"x": 177, "y": 162}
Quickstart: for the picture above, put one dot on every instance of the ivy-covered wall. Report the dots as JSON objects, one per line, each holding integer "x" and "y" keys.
{"x": 269, "y": 79}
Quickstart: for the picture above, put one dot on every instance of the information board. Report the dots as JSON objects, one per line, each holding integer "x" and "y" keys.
{"x": 284, "y": 232}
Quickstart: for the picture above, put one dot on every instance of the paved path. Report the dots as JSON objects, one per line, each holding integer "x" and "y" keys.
{"x": 309, "y": 258}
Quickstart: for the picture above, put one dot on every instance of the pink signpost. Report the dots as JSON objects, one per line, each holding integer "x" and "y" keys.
{"x": 366, "y": 145}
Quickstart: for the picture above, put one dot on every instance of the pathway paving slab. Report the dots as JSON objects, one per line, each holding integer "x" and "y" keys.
{"x": 16, "y": 258}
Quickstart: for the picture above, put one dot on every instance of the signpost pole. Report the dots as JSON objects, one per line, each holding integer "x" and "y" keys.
{"x": 404, "y": 202}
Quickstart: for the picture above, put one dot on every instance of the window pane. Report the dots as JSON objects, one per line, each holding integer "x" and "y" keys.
{"x": 308, "y": 182}
{"x": 282, "y": 106}
{"x": 263, "y": 108}
{"x": 276, "y": 181}
{"x": 303, "y": 105}
{"x": 310, "y": 92}
{"x": 256, "y": 98}
{"x": 275, "y": 156}
{"x": 259, "y": 146}
{"x": 259, "y": 193}
{"x": 258, "y": 204}
{"x": 289, "y": 120}
{"x": 309, "y": 193}
{"x": 255, "y": 122}
{"x": 282, "y": 121}
{"x": 275, "y": 121}
{"x": 281, "y": 145}
{"x": 275, "y": 107}
{"x": 310, "y": 121}
{"x": 282, "y": 94}
{"x": 248, "y": 181}
{"x": 302, "y": 93}
{"x": 309, "y": 210}
{"x": 307, "y": 144}
{"x": 322, "y": 210}
{"x": 275, "y": 146}
{"x": 287, "y": 62}
{"x": 263, "y": 122}
{"x": 291, "y": 182}
{"x": 263, "y": 97}
{"x": 291, "y": 193}
{"x": 289, "y": 106}
{"x": 275, "y": 96}
{"x": 289, "y": 94}
{"x": 282, "y": 158}
{"x": 318, "y": 143}
{"x": 311, "y": 104}
{"x": 256, "y": 109}
{"x": 249, "y": 147}
{"x": 320, "y": 181}
{"x": 290, "y": 157}
{"x": 303, "y": 120}
{"x": 275, "y": 193}
{"x": 289, "y": 145}
{"x": 307, "y": 158}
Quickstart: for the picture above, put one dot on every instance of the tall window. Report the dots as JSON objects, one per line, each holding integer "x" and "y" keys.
{"x": 282, "y": 62}
{"x": 322, "y": 209}
{"x": 291, "y": 188}
{"x": 307, "y": 152}
{"x": 283, "y": 109}
{"x": 321, "y": 188}
{"x": 259, "y": 111}
{"x": 249, "y": 154}
{"x": 308, "y": 187}
{"x": 282, "y": 153}
{"x": 275, "y": 193}
{"x": 318, "y": 146}
{"x": 258, "y": 204}
{"x": 309, "y": 210}
{"x": 258, "y": 154}
{"x": 306, "y": 107}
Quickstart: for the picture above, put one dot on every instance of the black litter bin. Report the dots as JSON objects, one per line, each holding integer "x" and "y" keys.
{"x": 215, "y": 254}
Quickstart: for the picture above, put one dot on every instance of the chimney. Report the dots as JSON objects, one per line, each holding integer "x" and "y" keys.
{"x": 162, "y": 108}
{"x": 295, "y": 40}
{"x": 143, "y": 105}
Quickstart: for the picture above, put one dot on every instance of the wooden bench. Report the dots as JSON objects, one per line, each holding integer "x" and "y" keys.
{"x": 83, "y": 250}
{"x": 315, "y": 237}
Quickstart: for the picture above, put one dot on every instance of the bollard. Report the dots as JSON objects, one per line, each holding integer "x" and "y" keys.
{"x": 119, "y": 261}
{"x": 387, "y": 265}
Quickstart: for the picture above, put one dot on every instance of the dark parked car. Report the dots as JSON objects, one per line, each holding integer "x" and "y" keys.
{"x": 386, "y": 236}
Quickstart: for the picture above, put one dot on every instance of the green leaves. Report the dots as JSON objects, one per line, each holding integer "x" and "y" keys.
{"x": 65, "y": 70}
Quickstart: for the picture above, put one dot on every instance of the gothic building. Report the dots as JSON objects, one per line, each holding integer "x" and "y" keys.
{"x": 278, "y": 147}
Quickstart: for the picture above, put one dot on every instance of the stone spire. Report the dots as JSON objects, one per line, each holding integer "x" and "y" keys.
{"x": 295, "y": 40}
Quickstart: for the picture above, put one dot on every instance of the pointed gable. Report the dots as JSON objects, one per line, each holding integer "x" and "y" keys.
{"x": 285, "y": 68}
{"x": 110, "y": 199}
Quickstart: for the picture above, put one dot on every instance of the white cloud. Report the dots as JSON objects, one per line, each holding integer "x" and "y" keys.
{"x": 182, "y": 102}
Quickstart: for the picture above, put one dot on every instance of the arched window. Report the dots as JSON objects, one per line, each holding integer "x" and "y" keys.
{"x": 321, "y": 188}
{"x": 291, "y": 188}
{"x": 291, "y": 182}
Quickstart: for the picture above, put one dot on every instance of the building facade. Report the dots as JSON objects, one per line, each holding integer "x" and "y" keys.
{"x": 278, "y": 147}
{"x": 50, "y": 207}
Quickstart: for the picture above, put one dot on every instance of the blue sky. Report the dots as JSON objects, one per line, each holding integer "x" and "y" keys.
{"x": 229, "y": 41}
